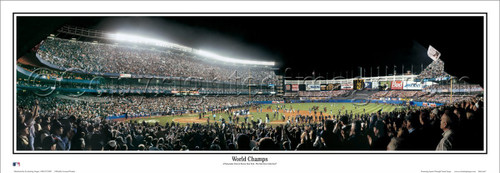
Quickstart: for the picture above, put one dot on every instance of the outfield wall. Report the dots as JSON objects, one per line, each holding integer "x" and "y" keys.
{"x": 413, "y": 103}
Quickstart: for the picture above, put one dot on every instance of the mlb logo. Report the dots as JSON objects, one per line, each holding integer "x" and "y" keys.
{"x": 16, "y": 164}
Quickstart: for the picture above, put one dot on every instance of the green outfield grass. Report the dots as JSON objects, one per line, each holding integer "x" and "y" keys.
{"x": 332, "y": 108}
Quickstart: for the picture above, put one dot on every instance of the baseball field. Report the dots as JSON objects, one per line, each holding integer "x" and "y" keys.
{"x": 288, "y": 109}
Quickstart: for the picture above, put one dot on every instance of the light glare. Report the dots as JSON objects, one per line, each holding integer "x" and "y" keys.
{"x": 143, "y": 40}
{"x": 226, "y": 59}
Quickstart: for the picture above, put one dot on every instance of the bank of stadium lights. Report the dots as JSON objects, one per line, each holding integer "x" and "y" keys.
{"x": 143, "y": 40}
{"x": 232, "y": 60}
{"x": 136, "y": 39}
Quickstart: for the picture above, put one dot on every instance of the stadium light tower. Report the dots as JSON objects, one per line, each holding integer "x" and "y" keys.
{"x": 361, "y": 71}
{"x": 139, "y": 39}
{"x": 402, "y": 69}
{"x": 395, "y": 70}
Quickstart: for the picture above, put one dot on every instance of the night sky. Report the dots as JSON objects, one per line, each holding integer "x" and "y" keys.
{"x": 305, "y": 44}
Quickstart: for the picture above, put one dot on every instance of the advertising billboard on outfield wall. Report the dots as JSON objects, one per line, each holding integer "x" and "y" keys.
{"x": 384, "y": 85}
{"x": 359, "y": 84}
{"x": 429, "y": 104}
{"x": 331, "y": 87}
{"x": 125, "y": 75}
{"x": 295, "y": 87}
{"x": 397, "y": 85}
{"x": 302, "y": 87}
{"x": 313, "y": 88}
{"x": 375, "y": 85}
{"x": 428, "y": 83}
{"x": 368, "y": 85}
{"x": 412, "y": 85}
{"x": 323, "y": 87}
{"x": 346, "y": 86}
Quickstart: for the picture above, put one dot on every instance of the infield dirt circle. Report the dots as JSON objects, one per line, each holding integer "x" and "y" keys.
{"x": 194, "y": 119}
{"x": 189, "y": 120}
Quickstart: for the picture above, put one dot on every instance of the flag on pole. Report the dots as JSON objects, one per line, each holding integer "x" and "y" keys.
{"x": 433, "y": 53}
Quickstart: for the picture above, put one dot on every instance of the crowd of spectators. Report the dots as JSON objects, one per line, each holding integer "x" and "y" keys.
{"x": 37, "y": 78}
{"x": 421, "y": 96}
{"x": 64, "y": 123}
{"x": 108, "y": 58}
{"x": 334, "y": 93}
{"x": 443, "y": 98}
{"x": 456, "y": 126}
{"x": 134, "y": 105}
{"x": 434, "y": 70}
{"x": 456, "y": 88}
{"x": 397, "y": 94}
{"x": 379, "y": 94}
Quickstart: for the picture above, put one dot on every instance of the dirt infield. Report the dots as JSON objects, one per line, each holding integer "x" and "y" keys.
{"x": 189, "y": 120}
{"x": 195, "y": 119}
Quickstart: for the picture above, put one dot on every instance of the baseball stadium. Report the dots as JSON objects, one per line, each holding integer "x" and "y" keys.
{"x": 79, "y": 87}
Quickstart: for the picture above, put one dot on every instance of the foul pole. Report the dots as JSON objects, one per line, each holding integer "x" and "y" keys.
{"x": 249, "y": 93}
{"x": 451, "y": 90}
